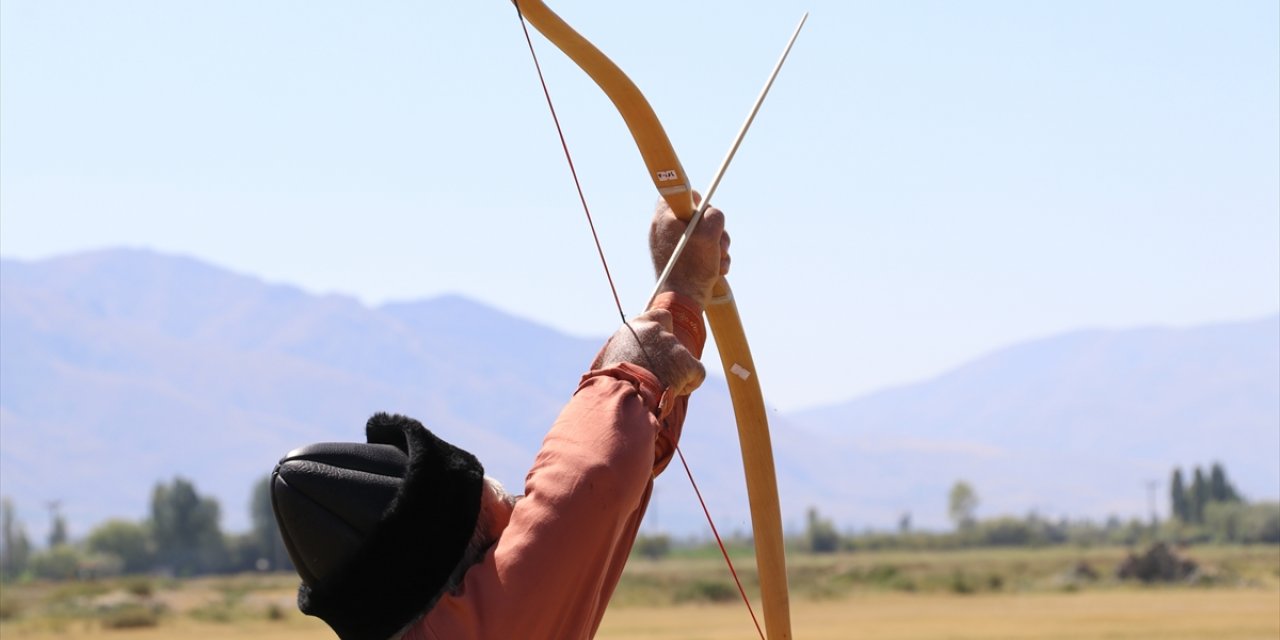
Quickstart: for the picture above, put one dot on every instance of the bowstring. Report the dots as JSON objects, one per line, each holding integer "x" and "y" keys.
{"x": 586, "y": 210}
{"x": 617, "y": 301}
{"x": 724, "y": 552}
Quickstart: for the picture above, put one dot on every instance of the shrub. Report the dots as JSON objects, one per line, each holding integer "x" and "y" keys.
{"x": 128, "y": 541}
{"x": 960, "y": 583}
{"x": 275, "y": 612}
{"x": 882, "y": 574}
{"x": 10, "y": 608}
{"x": 59, "y": 563}
{"x": 69, "y": 593}
{"x": 1261, "y": 523}
{"x": 652, "y": 547}
{"x": 225, "y": 610}
{"x": 130, "y": 616}
{"x": 220, "y": 612}
{"x": 139, "y": 586}
{"x": 707, "y": 591}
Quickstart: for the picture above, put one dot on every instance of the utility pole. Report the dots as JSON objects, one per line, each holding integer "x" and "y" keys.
{"x": 57, "y": 526}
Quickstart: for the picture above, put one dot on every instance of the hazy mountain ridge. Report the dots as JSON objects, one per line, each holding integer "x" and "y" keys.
{"x": 1083, "y": 379}
{"x": 1080, "y": 413}
{"x": 228, "y": 373}
{"x": 120, "y": 368}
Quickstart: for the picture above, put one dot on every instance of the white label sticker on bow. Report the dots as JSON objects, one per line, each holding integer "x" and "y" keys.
{"x": 737, "y": 370}
{"x": 664, "y": 176}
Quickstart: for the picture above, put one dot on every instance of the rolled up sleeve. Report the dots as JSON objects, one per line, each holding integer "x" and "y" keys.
{"x": 555, "y": 566}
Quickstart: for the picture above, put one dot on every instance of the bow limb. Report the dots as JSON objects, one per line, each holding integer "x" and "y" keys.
{"x": 722, "y": 313}
{"x": 655, "y": 147}
{"x": 757, "y": 459}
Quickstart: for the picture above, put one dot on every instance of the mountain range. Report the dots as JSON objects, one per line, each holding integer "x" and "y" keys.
{"x": 122, "y": 368}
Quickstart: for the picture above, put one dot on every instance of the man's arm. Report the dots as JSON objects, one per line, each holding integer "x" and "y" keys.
{"x": 553, "y": 569}
{"x": 583, "y": 497}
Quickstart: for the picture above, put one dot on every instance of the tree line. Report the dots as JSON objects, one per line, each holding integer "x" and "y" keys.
{"x": 1208, "y": 510}
{"x": 181, "y": 536}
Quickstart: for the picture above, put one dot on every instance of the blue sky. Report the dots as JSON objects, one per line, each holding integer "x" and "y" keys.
{"x": 928, "y": 180}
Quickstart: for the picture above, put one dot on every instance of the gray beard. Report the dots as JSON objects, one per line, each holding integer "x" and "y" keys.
{"x": 483, "y": 538}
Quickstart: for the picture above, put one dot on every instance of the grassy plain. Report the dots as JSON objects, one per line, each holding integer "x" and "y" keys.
{"x": 1112, "y": 615}
{"x": 1032, "y": 594}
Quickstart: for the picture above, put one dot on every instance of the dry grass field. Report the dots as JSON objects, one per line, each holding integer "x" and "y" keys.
{"x": 1111, "y": 615}
{"x": 1167, "y": 614}
{"x": 998, "y": 594}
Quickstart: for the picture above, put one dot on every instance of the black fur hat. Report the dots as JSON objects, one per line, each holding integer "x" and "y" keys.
{"x": 376, "y": 529}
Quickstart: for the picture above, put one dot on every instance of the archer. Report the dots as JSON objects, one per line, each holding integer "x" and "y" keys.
{"x": 404, "y": 537}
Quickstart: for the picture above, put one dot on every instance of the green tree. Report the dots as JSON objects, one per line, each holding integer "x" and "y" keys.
{"x": 1220, "y": 489}
{"x": 1005, "y": 531}
{"x": 265, "y": 531}
{"x": 1199, "y": 496}
{"x": 128, "y": 541}
{"x": 653, "y": 547}
{"x": 185, "y": 528}
{"x": 1224, "y": 521}
{"x": 962, "y": 502}
{"x": 57, "y": 563}
{"x": 1179, "y": 503}
{"x": 244, "y": 553}
{"x": 1261, "y": 523}
{"x": 15, "y": 547}
{"x": 821, "y": 534}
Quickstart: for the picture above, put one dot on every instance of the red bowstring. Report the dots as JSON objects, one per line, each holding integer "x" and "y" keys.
{"x": 574, "y": 171}
{"x": 719, "y": 542}
{"x": 618, "y": 302}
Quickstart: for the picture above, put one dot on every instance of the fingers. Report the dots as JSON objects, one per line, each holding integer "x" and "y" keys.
{"x": 697, "y": 374}
{"x": 664, "y": 355}
{"x": 705, "y": 259}
{"x": 711, "y": 230}
{"x": 680, "y": 369}
{"x": 724, "y": 254}
{"x": 660, "y": 316}
{"x": 712, "y": 226}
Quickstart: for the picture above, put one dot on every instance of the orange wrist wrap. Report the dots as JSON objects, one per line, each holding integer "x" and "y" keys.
{"x": 686, "y": 317}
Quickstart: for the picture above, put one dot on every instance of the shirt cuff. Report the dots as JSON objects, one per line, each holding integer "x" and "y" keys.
{"x": 645, "y": 383}
{"x": 686, "y": 316}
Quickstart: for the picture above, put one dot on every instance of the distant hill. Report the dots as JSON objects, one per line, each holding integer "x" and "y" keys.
{"x": 1074, "y": 424}
{"x": 121, "y": 368}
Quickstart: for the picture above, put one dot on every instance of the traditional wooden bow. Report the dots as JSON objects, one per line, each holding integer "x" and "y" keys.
{"x": 722, "y": 313}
